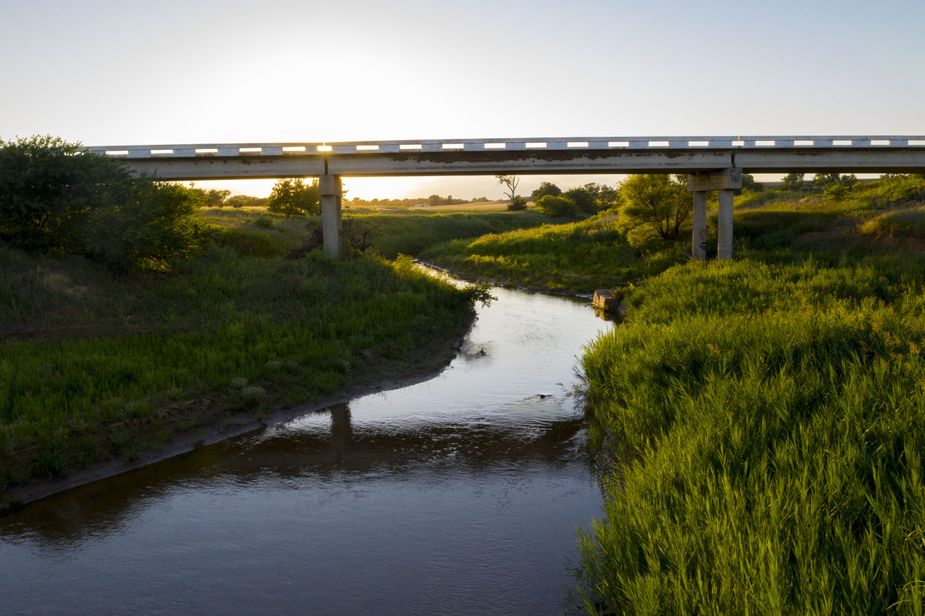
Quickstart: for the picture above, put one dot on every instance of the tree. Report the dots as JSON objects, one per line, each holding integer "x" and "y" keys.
{"x": 294, "y": 198}
{"x": 216, "y": 198}
{"x": 55, "y": 198}
{"x": 510, "y": 182}
{"x": 792, "y": 181}
{"x": 545, "y": 188}
{"x": 749, "y": 183}
{"x": 654, "y": 202}
{"x": 245, "y": 200}
{"x": 557, "y": 206}
{"x": 591, "y": 198}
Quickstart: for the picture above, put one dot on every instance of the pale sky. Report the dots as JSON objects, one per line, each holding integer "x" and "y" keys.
{"x": 198, "y": 71}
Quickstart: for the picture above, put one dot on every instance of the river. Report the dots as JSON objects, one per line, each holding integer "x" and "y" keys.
{"x": 458, "y": 495}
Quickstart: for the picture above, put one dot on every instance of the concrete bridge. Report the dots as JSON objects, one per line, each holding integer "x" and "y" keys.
{"x": 713, "y": 163}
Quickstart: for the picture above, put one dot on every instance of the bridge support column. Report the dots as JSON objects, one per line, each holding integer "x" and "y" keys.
{"x": 726, "y": 182}
{"x": 699, "y": 233}
{"x": 331, "y": 194}
{"x": 724, "y": 226}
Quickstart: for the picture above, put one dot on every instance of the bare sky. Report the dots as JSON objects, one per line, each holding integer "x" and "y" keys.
{"x": 171, "y": 71}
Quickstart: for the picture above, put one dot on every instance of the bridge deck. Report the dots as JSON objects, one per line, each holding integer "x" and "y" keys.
{"x": 887, "y": 153}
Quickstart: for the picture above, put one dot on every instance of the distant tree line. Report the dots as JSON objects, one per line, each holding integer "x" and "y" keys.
{"x": 432, "y": 200}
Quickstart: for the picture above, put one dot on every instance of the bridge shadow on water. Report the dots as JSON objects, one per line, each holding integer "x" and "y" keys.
{"x": 323, "y": 446}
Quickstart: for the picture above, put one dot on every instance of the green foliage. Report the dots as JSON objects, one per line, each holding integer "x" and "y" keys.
{"x": 238, "y": 201}
{"x": 545, "y": 188}
{"x": 93, "y": 366}
{"x": 792, "y": 181}
{"x": 907, "y": 223}
{"x": 749, "y": 184}
{"x": 264, "y": 222}
{"x": 592, "y": 198}
{"x": 769, "y": 422}
{"x": 294, "y": 198}
{"x": 154, "y": 230}
{"x": 653, "y": 204}
{"x": 435, "y": 200}
{"x": 48, "y": 189}
{"x": 411, "y": 234}
{"x": 579, "y": 257}
{"x": 517, "y": 204}
{"x": 56, "y": 199}
{"x": 557, "y": 206}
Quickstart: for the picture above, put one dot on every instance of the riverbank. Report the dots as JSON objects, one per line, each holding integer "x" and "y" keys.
{"x": 574, "y": 258}
{"x": 106, "y": 372}
{"x": 764, "y": 415}
{"x": 379, "y": 380}
{"x": 474, "y": 480}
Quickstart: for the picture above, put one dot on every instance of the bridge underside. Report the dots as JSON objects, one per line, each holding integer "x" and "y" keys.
{"x": 530, "y": 163}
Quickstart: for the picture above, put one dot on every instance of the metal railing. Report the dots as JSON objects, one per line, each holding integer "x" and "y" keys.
{"x": 558, "y": 144}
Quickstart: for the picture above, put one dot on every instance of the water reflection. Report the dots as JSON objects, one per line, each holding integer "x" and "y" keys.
{"x": 457, "y": 495}
{"x": 317, "y": 446}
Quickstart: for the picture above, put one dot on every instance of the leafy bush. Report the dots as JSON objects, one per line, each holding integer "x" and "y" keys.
{"x": 517, "y": 204}
{"x": 557, "y": 206}
{"x": 55, "y": 198}
{"x": 592, "y": 198}
{"x": 153, "y": 229}
{"x": 47, "y": 189}
{"x": 545, "y": 188}
{"x": 294, "y": 198}
{"x": 654, "y": 203}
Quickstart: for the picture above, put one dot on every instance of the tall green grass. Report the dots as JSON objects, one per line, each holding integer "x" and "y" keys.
{"x": 766, "y": 421}
{"x": 94, "y": 365}
{"x": 580, "y": 256}
{"x": 409, "y": 233}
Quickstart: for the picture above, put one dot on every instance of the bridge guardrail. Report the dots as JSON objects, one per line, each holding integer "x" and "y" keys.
{"x": 364, "y": 148}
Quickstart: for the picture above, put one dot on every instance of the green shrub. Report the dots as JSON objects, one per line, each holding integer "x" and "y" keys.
{"x": 152, "y": 229}
{"x": 657, "y": 203}
{"x": 47, "y": 190}
{"x": 517, "y": 204}
{"x": 557, "y": 206}
{"x": 249, "y": 243}
{"x": 902, "y": 223}
{"x": 545, "y": 188}
{"x": 294, "y": 198}
{"x": 55, "y": 198}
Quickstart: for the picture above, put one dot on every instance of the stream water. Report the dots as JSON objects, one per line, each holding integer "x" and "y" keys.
{"x": 458, "y": 495}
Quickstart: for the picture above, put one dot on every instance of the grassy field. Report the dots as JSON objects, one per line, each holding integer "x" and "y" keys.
{"x": 392, "y": 232}
{"x": 95, "y": 365}
{"x": 766, "y": 419}
{"x": 570, "y": 257}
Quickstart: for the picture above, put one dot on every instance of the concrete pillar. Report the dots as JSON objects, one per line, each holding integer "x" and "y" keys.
{"x": 330, "y": 188}
{"x": 726, "y": 181}
{"x": 699, "y": 233}
{"x": 724, "y": 226}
